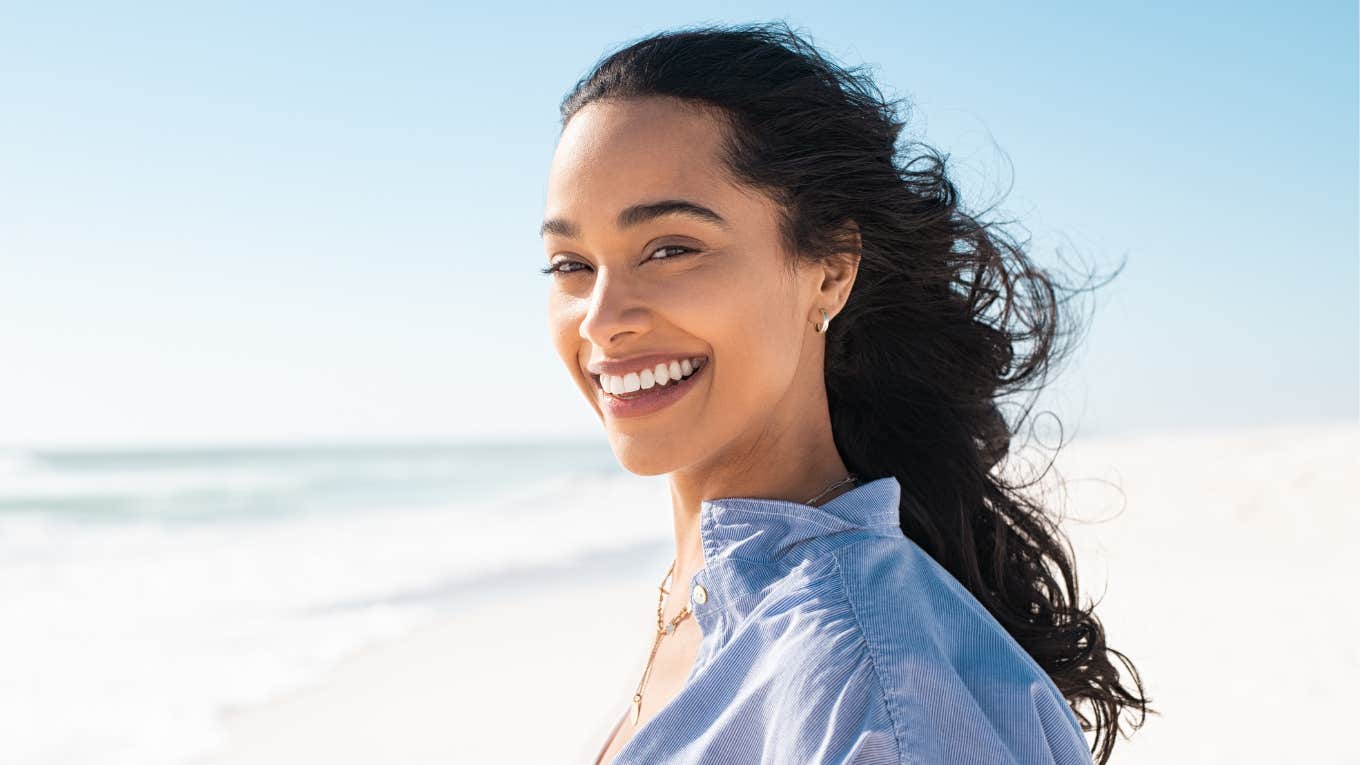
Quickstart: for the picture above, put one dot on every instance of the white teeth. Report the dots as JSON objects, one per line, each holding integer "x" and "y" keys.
{"x": 649, "y": 378}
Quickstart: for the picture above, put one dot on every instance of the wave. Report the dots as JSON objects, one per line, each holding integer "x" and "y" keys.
{"x": 196, "y": 617}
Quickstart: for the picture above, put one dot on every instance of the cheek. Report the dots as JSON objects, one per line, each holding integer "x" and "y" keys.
{"x": 748, "y": 324}
{"x": 564, "y": 329}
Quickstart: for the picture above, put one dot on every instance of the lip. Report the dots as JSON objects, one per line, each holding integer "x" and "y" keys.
{"x": 660, "y": 397}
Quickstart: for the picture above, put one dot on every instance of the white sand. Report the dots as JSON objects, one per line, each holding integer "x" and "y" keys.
{"x": 1225, "y": 579}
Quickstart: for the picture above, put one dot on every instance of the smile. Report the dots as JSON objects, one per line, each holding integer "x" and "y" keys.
{"x": 651, "y": 391}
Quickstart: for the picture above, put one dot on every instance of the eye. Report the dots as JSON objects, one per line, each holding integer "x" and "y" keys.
{"x": 682, "y": 248}
{"x": 556, "y": 267}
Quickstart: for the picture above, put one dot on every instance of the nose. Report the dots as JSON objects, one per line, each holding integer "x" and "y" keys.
{"x": 615, "y": 311}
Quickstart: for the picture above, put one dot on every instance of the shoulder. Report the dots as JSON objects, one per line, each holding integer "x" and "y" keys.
{"x": 803, "y": 666}
{"x": 958, "y": 687}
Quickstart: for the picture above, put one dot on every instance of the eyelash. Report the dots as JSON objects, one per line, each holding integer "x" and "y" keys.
{"x": 556, "y": 267}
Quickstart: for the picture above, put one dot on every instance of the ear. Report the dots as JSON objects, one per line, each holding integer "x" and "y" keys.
{"x": 838, "y": 271}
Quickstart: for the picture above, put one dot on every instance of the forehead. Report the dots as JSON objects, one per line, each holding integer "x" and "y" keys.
{"x": 614, "y": 152}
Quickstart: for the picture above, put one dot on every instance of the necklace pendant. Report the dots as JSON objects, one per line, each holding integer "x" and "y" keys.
{"x": 637, "y": 708}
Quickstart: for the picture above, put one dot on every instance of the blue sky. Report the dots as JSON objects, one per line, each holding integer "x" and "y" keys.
{"x": 319, "y": 222}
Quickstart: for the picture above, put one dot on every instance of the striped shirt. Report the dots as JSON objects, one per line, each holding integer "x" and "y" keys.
{"x": 829, "y": 636}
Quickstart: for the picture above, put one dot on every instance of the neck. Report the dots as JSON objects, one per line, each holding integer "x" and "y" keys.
{"x": 795, "y": 465}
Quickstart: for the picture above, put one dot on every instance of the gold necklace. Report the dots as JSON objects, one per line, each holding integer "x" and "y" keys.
{"x": 664, "y": 628}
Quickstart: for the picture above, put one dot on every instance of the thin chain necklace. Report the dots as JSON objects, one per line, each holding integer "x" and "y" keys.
{"x": 664, "y": 628}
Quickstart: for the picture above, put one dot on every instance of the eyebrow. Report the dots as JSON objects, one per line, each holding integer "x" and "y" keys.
{"x": 638, "y": 214}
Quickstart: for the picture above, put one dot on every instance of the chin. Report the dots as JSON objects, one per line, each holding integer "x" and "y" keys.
{"x": 644, "y": 456}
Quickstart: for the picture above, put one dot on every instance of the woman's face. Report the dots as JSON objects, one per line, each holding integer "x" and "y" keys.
{"x": 646, "y": 289}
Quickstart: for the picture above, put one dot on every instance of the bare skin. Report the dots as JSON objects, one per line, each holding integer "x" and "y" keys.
{"x": 757, "y": 424}
{"x": 674, "y": 659}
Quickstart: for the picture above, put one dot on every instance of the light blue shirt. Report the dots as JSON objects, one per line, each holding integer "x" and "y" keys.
{"x": 830, "y": 637}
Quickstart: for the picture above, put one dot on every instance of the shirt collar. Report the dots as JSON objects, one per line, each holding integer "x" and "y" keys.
{"x": 750, "y": 542}
{"x": 764, "y": 530}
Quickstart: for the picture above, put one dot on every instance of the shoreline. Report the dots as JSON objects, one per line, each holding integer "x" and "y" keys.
{"x": 510, "y": 658}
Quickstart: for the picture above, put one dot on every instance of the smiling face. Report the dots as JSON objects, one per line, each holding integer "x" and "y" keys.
{"x": 702, "y": 275}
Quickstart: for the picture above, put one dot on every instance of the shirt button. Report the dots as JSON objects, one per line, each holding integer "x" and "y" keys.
{"x": 700, "y": 594}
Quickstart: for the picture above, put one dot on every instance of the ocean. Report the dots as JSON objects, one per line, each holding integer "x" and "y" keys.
{"x": 144, "y": 593}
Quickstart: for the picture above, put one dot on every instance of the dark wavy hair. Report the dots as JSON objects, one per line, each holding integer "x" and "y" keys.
{"x": 946, "y": 317}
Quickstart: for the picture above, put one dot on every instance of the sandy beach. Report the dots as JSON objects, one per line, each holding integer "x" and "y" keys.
{"x": 532, "y": 671}
{"x": 1219, "y": 559}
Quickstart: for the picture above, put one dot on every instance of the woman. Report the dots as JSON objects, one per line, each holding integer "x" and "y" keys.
{"x": 763, "y": 302}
